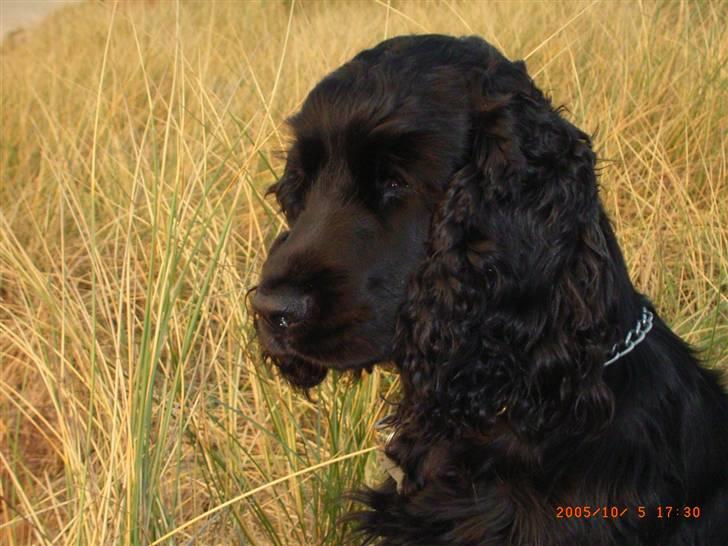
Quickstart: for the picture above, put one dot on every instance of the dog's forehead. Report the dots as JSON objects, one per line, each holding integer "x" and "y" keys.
{"x": 407, "y": 100}
{"x": 361, "y": 97}
{"x": 355, "y": 115}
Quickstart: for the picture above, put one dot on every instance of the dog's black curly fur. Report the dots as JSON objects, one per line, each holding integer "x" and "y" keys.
{"x": 445, "y": 216}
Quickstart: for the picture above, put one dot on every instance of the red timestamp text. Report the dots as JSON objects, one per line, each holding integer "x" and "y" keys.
{"x": 616, "y": 512}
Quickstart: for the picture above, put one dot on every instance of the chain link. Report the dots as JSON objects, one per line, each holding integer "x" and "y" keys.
{"x": 633, "y": 338}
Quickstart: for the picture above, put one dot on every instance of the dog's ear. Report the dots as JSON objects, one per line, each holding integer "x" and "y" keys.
{"x": 510, "y": 315}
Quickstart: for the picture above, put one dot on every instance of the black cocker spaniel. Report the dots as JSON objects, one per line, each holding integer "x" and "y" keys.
{"x": 444, "y": 216}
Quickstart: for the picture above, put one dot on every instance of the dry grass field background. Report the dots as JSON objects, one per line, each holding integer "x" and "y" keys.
{"x": 137, "y": 141}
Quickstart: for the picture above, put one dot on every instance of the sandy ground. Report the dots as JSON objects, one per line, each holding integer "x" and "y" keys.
{"x": 17, "y": 14}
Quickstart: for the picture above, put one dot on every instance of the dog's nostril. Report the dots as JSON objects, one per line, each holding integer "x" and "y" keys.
{"x": 283, "y": 307}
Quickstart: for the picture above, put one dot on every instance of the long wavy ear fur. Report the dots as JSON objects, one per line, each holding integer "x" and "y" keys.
{"x": 511, "y": 312}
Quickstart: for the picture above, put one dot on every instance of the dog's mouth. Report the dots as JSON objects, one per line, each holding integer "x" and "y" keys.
{"x": 305, "y": 374}
{"x": 299, "y": 372}
{"x": 303, "y": 364}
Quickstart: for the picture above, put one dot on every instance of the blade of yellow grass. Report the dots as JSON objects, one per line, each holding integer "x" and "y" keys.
{"x": 559, "y": 30}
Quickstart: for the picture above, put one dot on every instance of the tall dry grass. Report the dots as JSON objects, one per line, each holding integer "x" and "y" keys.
{"x": 137, "y": 140}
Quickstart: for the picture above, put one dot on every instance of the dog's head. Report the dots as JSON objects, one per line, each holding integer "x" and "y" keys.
{"x": 442, "y": 214}
{"x": 376, "y": 143}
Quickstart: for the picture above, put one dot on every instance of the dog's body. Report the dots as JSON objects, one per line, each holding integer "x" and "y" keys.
{"x": 443, "y": 215}
{"x": 663, "y": 451}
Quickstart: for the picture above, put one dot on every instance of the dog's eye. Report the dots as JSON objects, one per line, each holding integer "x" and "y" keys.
{"x": 392, "y": 185}
{"x": 395, "y": 184}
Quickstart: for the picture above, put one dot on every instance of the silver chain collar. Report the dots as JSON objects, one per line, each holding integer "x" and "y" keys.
{"x": 633, "y": 338}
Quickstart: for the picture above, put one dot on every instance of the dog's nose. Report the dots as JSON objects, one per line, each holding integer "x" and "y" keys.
{"x": 283, "y": 308}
